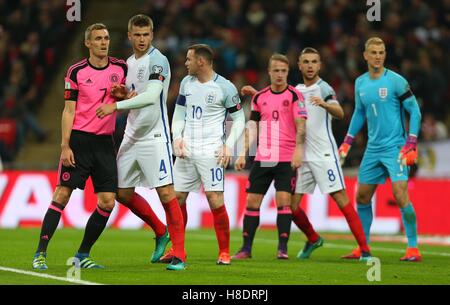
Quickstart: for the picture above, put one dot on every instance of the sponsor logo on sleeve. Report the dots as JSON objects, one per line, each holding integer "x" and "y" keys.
{"x": 235, "y": 99}
{"x": 66, "y": 94}
{"x": 157, "y": 69}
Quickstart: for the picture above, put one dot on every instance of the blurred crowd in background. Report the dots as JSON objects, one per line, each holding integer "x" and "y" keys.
{"x": 31, "y": 44}
{"x": 244, "y": 34}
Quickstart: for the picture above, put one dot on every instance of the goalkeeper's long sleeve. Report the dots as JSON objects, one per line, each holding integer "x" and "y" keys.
{"x": 359, "y": 116}
{"x": 413, "y": 109}
{"x": 357, "y": 122}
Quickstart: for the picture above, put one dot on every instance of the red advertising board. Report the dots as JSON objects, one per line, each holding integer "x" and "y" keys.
{"x": 25, "y": 196}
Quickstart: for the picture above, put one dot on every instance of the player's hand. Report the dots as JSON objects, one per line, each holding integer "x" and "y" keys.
{"x": 408, "y": 154}
{"x": 67, "y": 157}
{"x": 317, "y": 101}
{"x": 179, "y": 148}
{"x": 223, "y": 156}
{"x": 344, "y": 148}
{"x": 118, "y": 91}
{"x": 248, "y": 90}
{"x": 105, "y": 110}
{"x": 131, "y": 94}
{"x": 239, "y": 164}
{"x": 297, "y": 158}
{"x": 343, "y": 152}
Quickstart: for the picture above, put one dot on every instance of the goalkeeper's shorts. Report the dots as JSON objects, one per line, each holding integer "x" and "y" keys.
{"x": 377, "y": 166}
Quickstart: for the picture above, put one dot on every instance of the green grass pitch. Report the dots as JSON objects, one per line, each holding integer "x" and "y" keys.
{"x": 126, "y": 255}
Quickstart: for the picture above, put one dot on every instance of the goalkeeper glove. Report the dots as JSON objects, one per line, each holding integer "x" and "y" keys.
{"x": 408, "y": 154}
{"x": 344, "y": 148}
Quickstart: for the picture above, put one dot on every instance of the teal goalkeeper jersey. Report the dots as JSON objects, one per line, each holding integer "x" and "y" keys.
{"x": 382, "y": 103}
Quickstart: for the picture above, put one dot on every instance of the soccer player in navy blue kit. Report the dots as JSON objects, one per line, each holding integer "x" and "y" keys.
{"x": 381, "y": 98}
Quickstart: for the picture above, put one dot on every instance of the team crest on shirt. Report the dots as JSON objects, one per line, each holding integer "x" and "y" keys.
{"x": 141, "y": 73}
{"x": 286, "y": 103}
{"x": 210, "y": 98}
{"x": 383, "y": 92}
{"x": 114, "y": 78}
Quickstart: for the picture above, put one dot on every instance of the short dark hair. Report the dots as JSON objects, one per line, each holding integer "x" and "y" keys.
{"x": 204, "y": 51}
{"x": 140, "y": 20}
{"x": 309, "y": 50}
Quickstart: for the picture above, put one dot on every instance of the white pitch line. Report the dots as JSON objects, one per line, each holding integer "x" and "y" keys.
{"x": 48, "y": 276}
{"x": 337, "y": 246}
{"x": 326, "y": 245}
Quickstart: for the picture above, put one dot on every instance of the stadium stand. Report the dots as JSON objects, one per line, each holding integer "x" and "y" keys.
{"x": 244, "y": 34}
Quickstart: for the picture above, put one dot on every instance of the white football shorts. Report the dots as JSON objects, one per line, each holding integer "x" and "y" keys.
{"x": 190, "y": 174}
{"x": 146, "y": 164}
{"x": 327, "y": 174}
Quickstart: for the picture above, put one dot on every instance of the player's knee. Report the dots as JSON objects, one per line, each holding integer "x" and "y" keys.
{"x": 106, "y": 205}
{"x": 181, "y": 197}
{"x": 212, "y": 196}
{"x": 401, "y": 197}
{"x": 253, "y": 202}
{"x": 215, "y": 199}
{"x": 166, "y": 194}
{"x": 62, "y": 195}
{"x": 341, "y": 198}
{"x": 124, "y": 197}
{"x": 363, "y": 198}
{"x": 295, "y": 201}
{"x": 106, "y": 201}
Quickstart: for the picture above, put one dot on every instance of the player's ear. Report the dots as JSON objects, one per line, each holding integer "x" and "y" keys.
{"x": 365, "y": 55}
{"x": 129, "y": 36}
{"x": 87, "y": 43}
{"x": 200, "y": 61}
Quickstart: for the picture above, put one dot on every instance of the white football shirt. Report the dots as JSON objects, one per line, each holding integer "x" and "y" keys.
{"x": 206, "y": 112}
{"x": 320, "y": 142}
{"x": 149, "y": 123}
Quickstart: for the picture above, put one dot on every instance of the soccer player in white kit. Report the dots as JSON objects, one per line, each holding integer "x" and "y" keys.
{"x": 198, "y": 128}
{"x": 321, "y": 162}
{"x": 145, "y": 155}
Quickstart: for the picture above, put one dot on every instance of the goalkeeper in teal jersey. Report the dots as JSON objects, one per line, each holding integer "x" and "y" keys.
{"x": 381, "y": 98}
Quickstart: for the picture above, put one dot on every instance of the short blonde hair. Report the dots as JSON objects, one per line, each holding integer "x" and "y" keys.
{"x": 375, "y": 41}
{"x": 278, "y": 57}
{"x": 93, "y": 27}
